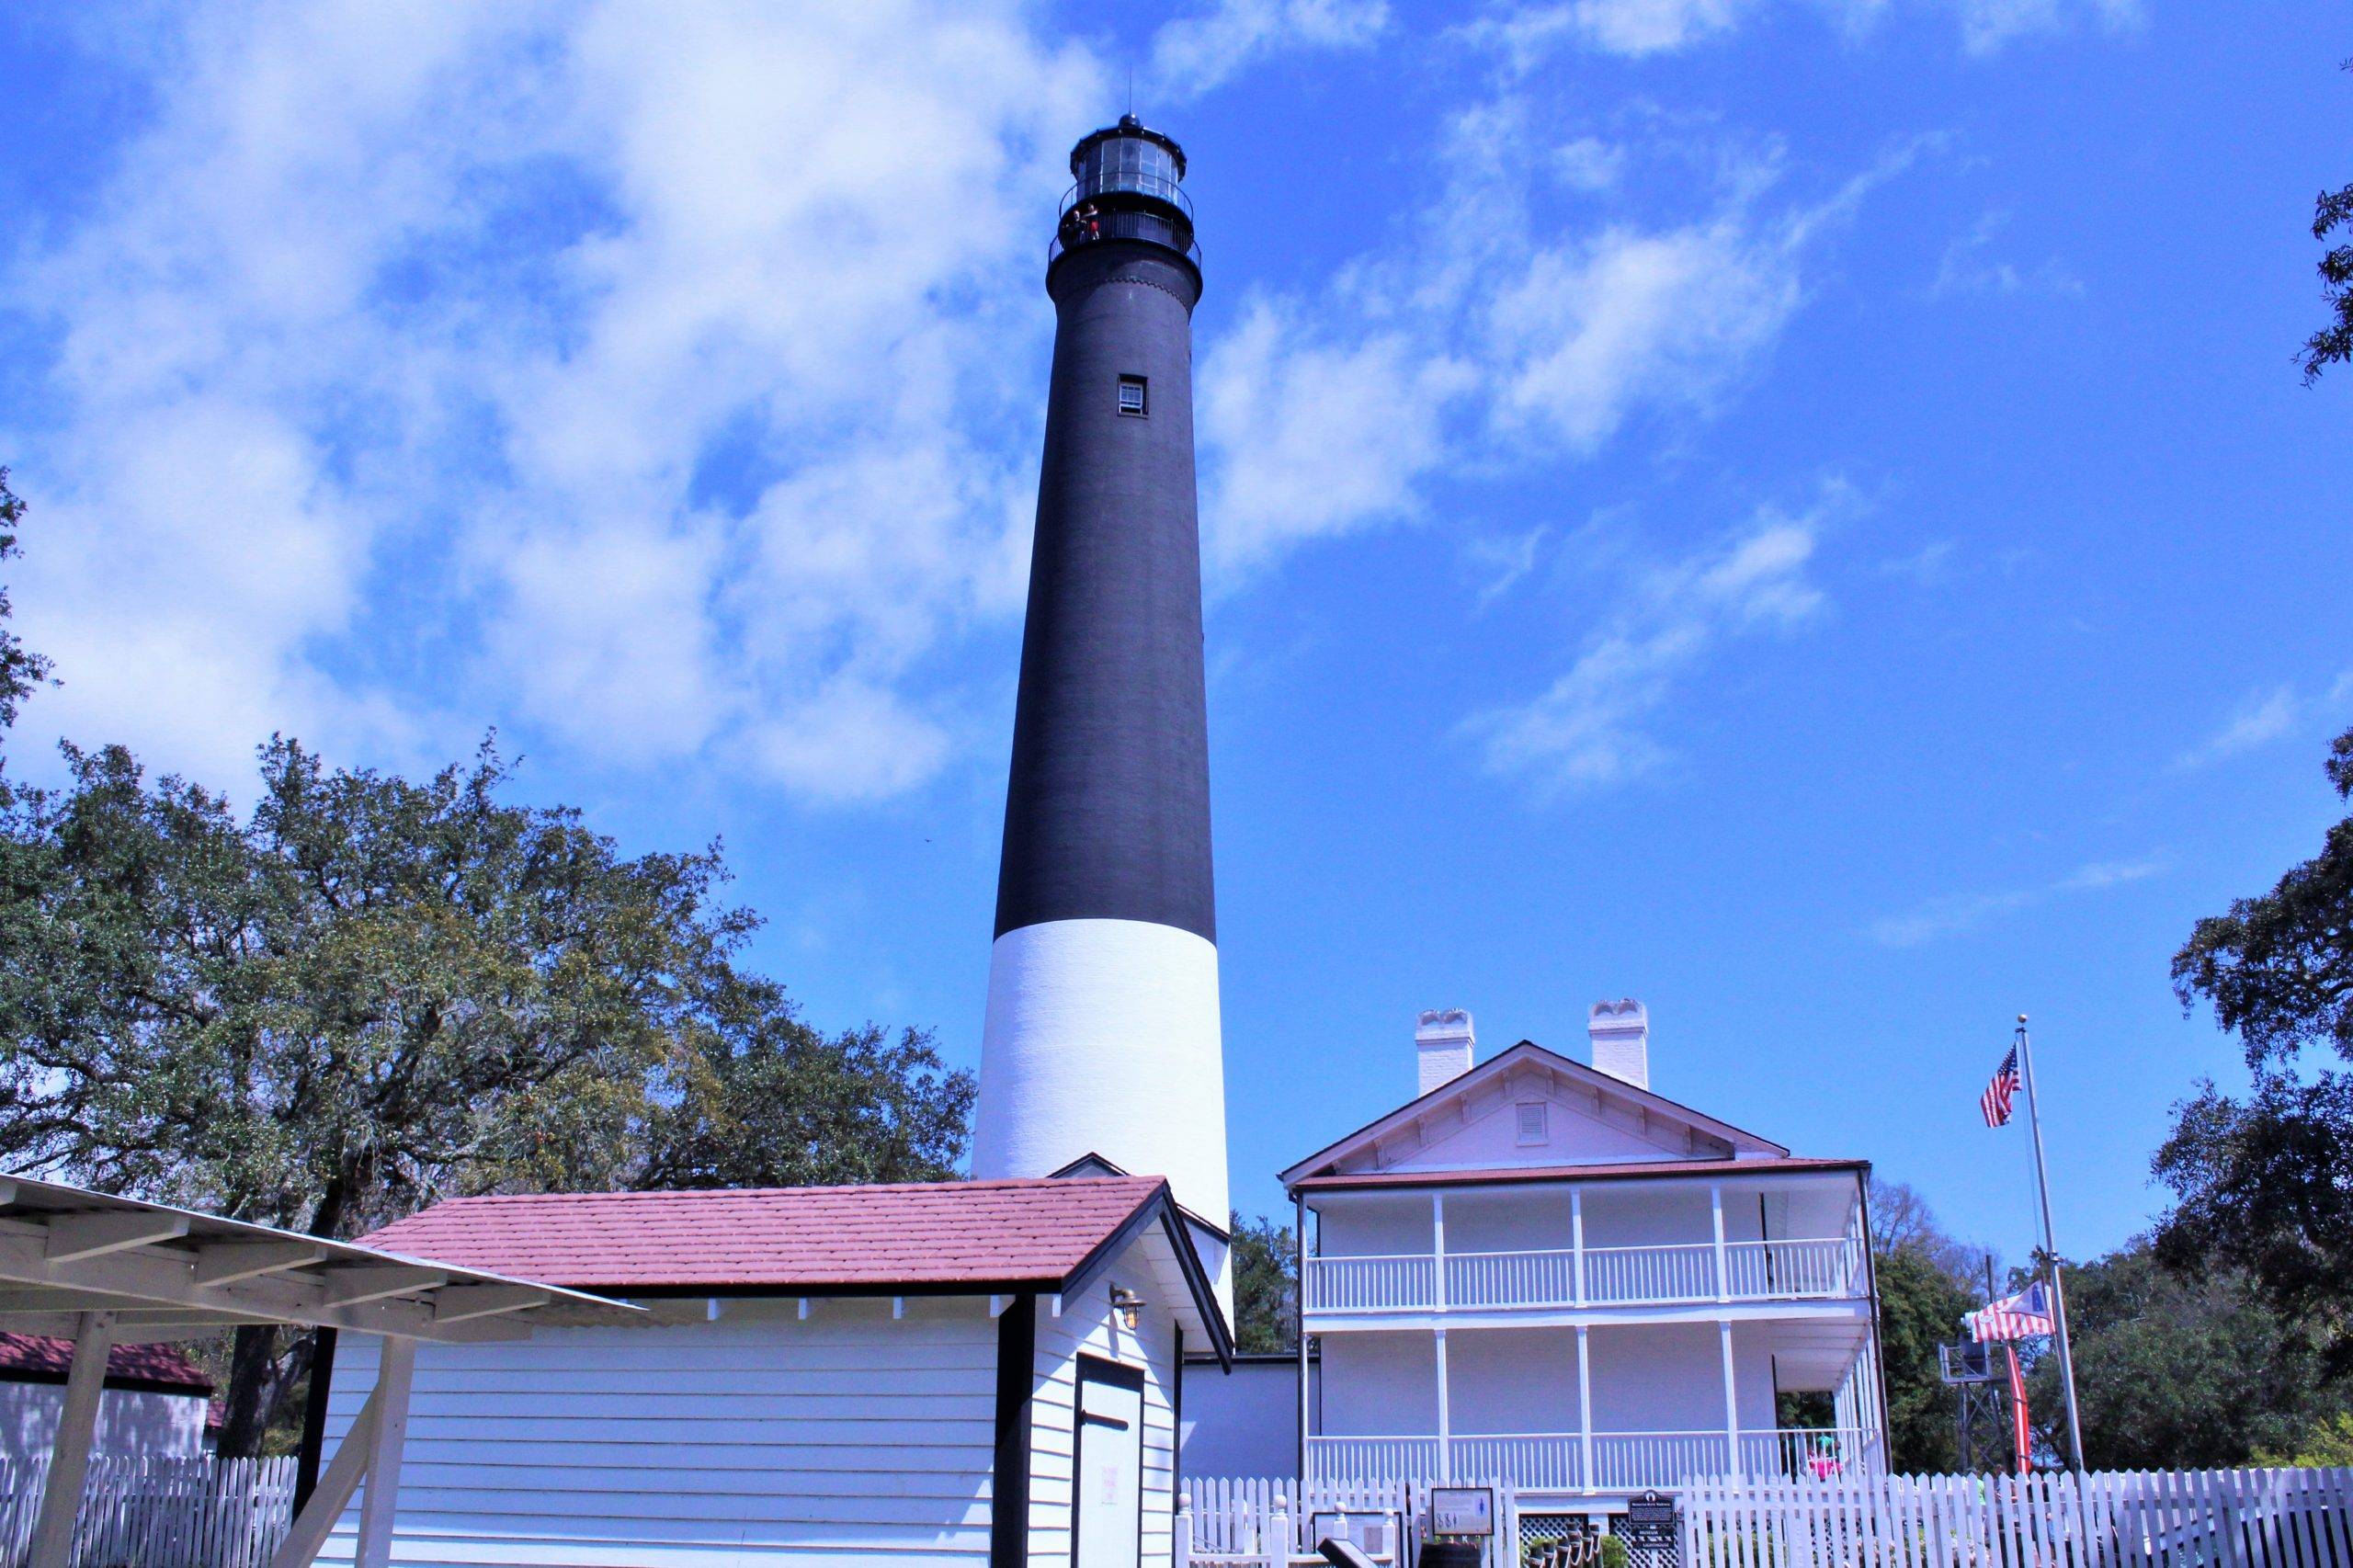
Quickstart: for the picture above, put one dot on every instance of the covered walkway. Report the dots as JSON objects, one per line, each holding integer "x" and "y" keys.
{"x": 103, "y": 1271}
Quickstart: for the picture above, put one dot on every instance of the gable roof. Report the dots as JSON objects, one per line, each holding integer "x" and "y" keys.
{"x": 45, "y": 1358}
{"x": 1528, "y": 1053}
{"x": 1042, "y": 1234}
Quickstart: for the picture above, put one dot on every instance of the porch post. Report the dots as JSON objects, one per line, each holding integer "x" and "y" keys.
{"x": 1437, "y": 1249}
{"x": 1445, "y": 1427}
{"x": 1584, "y": 1411}
{"x": 1298, "y": 1219}
{"x": 1731, "y": 1401}
{"x": 1716, "y": 1203}
{"x": 69, "y": 1459}
{"x": 380, "y": 1501}
{"x": 1577, "y": 1239}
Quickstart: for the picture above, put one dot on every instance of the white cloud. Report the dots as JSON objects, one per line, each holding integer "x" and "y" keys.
{"x": 1193, "y": 54}
{"x": 1953, "y": 916}
{"x": 1525, "y": 34}
{"x": 1588, "y": 162}
{"x": 1590, "y": 726}
{"x": 2262, "y": 718}
{"x": 617, "y": 369}
{"x": 1315, "y": 436}
{"x": 1594, "y": 328}
{"x": 1492, "y": 338}
{"x": 1968, "y": 266}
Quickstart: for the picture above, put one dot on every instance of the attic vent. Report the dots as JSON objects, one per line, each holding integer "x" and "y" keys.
{"x": 1532, "y": 1122}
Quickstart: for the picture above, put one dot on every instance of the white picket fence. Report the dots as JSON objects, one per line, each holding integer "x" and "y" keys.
{"x": 159, "y": 1513}
{"x": 2225, "y": 1518}
{"x": 1257, "y": 1522}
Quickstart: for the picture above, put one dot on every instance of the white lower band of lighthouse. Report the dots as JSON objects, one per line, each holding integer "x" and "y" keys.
{"x": 1103, "y": 1037}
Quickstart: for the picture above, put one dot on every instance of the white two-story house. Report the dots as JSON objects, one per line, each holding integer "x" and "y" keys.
{"x": 1543, "y": 1273}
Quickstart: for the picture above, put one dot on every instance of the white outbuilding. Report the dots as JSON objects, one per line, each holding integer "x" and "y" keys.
{"x": 976, "y": 1373}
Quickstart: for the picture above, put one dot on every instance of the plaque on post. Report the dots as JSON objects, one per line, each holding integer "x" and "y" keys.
{"x": 1651, "y": 1520}
{"x": 1462, "y": 1510}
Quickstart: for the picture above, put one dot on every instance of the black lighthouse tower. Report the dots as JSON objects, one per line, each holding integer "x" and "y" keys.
{"x": 1103, "y": 1033}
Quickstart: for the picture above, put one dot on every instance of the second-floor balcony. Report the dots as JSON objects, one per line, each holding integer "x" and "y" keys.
{"x": 1825, "y": 1269}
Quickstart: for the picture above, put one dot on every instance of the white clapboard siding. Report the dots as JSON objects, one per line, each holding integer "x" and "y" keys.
{"x": 2248, "y": 1518}
{"x": 1089, "y": 1326}
{"x": 847, "y": 1440}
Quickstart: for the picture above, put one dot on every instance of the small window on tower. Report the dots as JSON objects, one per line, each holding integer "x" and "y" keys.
{"x": 1131, "y": 395}
{"x": 1532, "y": 1123}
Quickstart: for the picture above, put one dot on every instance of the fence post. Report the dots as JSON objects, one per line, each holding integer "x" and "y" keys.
{"x": 1180, "y": 1533}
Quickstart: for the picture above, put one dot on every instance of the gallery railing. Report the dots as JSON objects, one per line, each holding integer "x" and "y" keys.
{"x": 1811, "y": 1268}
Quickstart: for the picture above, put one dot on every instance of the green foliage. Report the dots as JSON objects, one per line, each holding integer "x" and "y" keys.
{"x": 2333, "y": 344}
{"x": 2328, "y": 1445}
{"x": 368, "y": 993}
{"x": 1613, "y": 1552}
{"x": 1265, "y": 1286}
{"x": 1920, "y": 1307}
{"x": 21, "y": 670}
{"x": 2176, "y": 1371}
{"x": 2264, "y": 1184}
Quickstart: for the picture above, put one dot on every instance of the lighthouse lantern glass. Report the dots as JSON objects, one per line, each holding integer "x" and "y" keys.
{"x": 1127, "y": 164}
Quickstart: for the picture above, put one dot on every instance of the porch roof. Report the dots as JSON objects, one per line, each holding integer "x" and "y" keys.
{"x": 1635, "y": 1170}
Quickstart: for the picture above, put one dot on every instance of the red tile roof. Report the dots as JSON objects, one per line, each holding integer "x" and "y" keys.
{"x": 931, "y": 1235}
{"x": 1626, "y": 1170}
{"x": 38, "y": 1357}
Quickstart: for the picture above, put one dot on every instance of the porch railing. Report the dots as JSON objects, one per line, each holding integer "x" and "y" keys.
{"x": 1622, "y": 1461}
{"x": 1810, "y": 1268}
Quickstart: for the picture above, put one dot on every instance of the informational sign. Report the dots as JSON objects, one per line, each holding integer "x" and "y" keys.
{"x": 1371, "y": 1531}
{"x": 1650, "y": 1519}
{"x": 1462, "y": 1510}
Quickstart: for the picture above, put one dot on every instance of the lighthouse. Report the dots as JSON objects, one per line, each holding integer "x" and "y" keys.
{"x": 1102, "y": 1034}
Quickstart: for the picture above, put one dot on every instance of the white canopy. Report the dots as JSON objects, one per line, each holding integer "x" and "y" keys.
{"x": 106, "y": 1270}
{"x": 168, "y": 1273}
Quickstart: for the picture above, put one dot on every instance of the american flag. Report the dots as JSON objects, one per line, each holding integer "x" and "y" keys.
{"x": 2021, "y": 1316}
{"x": 1995, "y": 1101}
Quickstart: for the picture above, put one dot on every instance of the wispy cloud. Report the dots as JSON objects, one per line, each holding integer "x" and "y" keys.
{"x": 1198, "y": 53}
{"x": 1970, "y": 267}
{"x": 1525, "y": 34}
{"x": 1927, "y": 565}
{"x": 1953, "y": 916}
{"x": 2265, "y": 717}
{"x": 1592, "y": 725}
{"x": 1495, "y": 339}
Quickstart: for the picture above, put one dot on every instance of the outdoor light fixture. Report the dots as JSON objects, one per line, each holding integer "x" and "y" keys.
{"x": 1128, "y": 1304}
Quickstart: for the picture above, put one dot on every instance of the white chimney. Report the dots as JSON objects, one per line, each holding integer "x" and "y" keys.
{"x": 1442, "y": 1042}
{"x": 1622, "y": 1040}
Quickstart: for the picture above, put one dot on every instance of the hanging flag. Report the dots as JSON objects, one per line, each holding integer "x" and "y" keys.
{"x": 1995, "y": 1101}
{"x": 2021, "y": 1437}
{"x": 2021, "y": 1316}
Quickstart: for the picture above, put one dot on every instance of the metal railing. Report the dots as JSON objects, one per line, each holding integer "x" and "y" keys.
{"x": 1149, "y": 226}
{"x": 1811, "y": 1267}
{"x": 1622, "y": 1461}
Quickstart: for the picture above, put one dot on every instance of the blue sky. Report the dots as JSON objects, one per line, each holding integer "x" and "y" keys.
{"x": 1799, "y": 511}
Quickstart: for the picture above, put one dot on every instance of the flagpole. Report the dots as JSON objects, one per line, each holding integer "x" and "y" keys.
{"x": 2051, "y": 1252}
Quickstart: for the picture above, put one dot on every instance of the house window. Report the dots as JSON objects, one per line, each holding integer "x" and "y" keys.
{"x": 1131, "y": 395}
{"x": 1532, "y": 1123}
